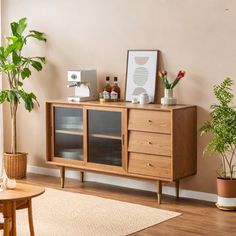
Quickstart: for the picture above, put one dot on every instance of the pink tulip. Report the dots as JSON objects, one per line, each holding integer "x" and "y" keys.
{"x": 181, "y": 74}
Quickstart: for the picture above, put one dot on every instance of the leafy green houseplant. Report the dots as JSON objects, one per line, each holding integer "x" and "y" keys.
{"x": 222, "y": 127}
{"x": 16, "y": 68}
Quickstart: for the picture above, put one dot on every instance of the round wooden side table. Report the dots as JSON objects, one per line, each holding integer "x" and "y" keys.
{"x": 18, "y": 198}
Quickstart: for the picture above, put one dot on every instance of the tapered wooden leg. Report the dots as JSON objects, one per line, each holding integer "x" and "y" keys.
{"x": 14, "y": 218}
{"x": 30, "y": 217}
{"x": 159, "y": 193}
{"x": 7, "y": 227}
{"x": 62, "y": 176}
{"x": 82, "y": 176}
{"x": 7, "y": 214}
{"x": 177, "y": 188}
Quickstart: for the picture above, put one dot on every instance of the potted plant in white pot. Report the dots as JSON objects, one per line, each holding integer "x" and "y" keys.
{"x": 222, "y": 126}
{"x": 15, "y": 68}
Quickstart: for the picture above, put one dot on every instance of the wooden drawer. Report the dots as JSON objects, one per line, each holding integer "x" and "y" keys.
{"x": 150, "y": 165}
{"x": 158, "y": 144}
{"x": 151, "y": 121}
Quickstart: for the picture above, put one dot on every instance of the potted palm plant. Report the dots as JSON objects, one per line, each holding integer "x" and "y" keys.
{"x": 16, "y": 68}
{"x": 222, "y": 126}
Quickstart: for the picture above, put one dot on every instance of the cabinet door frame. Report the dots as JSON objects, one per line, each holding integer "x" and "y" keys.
{"x": 61, "y": 160}
{"x": 123, "y": 167}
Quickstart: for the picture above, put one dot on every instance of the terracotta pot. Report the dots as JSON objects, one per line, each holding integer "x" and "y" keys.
{"x": 226, "y": 191}
{"x": 15, "y": 165}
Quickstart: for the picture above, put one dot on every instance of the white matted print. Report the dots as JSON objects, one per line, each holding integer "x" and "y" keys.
{"x": 141, "y": 73}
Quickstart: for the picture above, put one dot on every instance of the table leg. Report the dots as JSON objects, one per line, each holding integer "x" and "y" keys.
{"x": 7, "y": 215}
{"x": 7, "y": 226}
{"x": 159, "y": 193}
{"x": 30, "y": 216}
{"x": 62, "y": 176}
{"x": 82, "y": 176}
{"x": 14, "y": 218}
{"x": 177, "y": 188}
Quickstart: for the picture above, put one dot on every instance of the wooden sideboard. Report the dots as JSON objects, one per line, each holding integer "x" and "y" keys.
{"x": 151, "y": 142}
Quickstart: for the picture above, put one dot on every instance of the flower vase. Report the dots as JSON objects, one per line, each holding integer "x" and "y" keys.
{"x": 10, "y": 183}
{"x": 168, "y": 98}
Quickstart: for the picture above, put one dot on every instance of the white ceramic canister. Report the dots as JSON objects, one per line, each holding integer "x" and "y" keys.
{"x": 143, "y": 98}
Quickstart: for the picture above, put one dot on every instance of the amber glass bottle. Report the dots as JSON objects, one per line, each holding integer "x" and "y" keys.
{"x": 107, "y": 89}
{"x": 115, "y": 92}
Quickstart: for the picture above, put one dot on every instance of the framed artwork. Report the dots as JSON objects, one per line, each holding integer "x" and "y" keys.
{"x": 141, "y": 73}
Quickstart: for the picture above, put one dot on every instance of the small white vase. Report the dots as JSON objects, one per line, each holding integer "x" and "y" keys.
{"x": 168, "y": 98}
{"x": 10, "y": 183}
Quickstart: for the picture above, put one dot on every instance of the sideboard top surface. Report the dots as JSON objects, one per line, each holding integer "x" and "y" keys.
{"x": 123, "y": 105}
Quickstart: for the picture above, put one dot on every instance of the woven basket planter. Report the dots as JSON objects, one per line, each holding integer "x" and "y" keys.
{"x": 15, "y": 165}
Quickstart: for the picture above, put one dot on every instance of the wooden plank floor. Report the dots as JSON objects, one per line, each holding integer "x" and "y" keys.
{"x": 198, "y": 217}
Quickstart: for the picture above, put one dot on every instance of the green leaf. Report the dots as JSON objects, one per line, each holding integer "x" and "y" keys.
{"x": 3, "y": 96}
{"x": 38, "y": 35}
{"x": 2, "y": 56}
{"x": 14, "y": 27}
{"x": 25, "y": 73}
{"x": 42, "y": 59}
{"x": 21, "y": 26}
{"x": 15, "y": 58}
{"x": 12, "y": 96}
{"x": 20, "y": 83}
{"x": 176, "y": 81}
{"x": 166, "y": 82}
{"x": 15, "y": 41}
{"x": 9, "y": 49}
{"x": 9, "y": 67}
{"x": 12, "y": 39}
{"x": 223, "y": 92}
{"x": 37, "y": 65}
{"x": 28, "y": 99}
{"x": 33, "y": 96}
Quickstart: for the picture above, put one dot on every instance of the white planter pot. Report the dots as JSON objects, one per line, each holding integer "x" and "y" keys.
{"x": 226, "y": 191}
{"x": 168, "y": 98}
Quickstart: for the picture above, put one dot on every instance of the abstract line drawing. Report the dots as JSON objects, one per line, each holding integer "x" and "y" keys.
{"x": 141, "y": 73}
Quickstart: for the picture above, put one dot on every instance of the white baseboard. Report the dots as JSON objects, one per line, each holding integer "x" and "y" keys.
{"x": 124, "y": 182}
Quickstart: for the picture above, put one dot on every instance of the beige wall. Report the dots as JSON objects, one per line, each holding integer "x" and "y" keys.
{"x": 195, "y": 35}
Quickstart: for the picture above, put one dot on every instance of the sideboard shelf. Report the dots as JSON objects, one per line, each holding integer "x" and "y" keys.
{"x": 151, "y": 142}
{"x": 72, "y": 132}
{"x": 107, "y": 136}
{"x": 80, "y": 133}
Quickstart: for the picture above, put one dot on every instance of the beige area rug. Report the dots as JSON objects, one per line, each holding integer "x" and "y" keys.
{"x": 60, "y": 213}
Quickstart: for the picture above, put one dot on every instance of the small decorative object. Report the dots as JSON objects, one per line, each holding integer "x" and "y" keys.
{"x": 1, "y": 183}
{"x": 143, "y": 98}
{"x": 135, "y": 100}
{"x": 110, "y": 93}
{"x": 115, "y": 91}
{"x": 168, "y": 98}
{"x": 141, "y": 73}
{"x": 10, "y": 183}
{"x": 222, "y": 126}
{"x": 16, "y": 68}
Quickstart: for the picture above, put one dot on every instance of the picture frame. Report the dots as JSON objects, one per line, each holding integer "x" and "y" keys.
{"x": 141, "y": 74}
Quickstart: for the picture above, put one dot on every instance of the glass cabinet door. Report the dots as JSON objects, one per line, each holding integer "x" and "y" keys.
{"x": 68, "y": 133}
{"x": 104, "y": 137}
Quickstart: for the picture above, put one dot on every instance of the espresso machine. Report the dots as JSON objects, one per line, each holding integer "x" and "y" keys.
{"x": 84, "y": 82}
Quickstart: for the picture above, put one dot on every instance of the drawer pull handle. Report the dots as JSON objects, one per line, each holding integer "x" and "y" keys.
{"x": 149, "y": 165}
{"x": 149, "y": 143}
